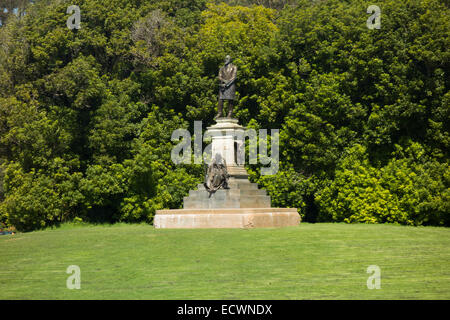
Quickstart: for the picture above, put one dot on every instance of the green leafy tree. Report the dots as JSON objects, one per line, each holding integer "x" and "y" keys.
{"x": 86, "y": 115}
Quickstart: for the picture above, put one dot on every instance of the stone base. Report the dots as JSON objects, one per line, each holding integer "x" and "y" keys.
{"x": 227, "y": 218}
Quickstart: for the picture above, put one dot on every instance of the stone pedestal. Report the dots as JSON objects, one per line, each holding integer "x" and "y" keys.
{"x": 241, "y": 206}
{"x": 227, "y": 140}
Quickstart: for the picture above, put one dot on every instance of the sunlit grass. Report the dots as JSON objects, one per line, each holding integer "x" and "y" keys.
{"x": 311, "y": 261}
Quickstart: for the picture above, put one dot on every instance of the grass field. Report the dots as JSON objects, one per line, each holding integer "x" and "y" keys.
{"x": 311, "y": 261}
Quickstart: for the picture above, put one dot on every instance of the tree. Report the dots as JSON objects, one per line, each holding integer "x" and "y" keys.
{"x": 86, "y": 115}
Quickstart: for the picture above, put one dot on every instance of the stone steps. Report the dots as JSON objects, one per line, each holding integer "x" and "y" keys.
{"x": 235, "y": 185}
{"x": 221, "y": 193}
{"x": 241, "y": 194}
{"x": 262, "y": 201}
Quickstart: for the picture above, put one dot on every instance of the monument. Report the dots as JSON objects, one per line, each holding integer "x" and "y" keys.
{"x": 226, "y": 199}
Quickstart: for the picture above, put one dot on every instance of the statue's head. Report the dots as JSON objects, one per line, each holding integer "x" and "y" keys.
{"x": 227, "y": 59}
{"x": 217, "y": 158}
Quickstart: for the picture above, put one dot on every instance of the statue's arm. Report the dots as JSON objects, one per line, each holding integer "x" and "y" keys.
{"x": 221, "y": 79}
{"x": 233, "y": 77}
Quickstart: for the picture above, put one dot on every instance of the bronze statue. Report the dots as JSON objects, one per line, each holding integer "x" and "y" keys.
{"x": 227, "y": 87}
{"x": 217, "y": 175}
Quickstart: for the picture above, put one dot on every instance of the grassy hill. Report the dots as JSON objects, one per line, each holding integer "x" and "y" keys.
{"x": 311, "y": 261}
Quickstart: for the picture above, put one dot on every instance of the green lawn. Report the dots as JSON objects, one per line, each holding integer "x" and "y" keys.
{"x": 311, "y": 261}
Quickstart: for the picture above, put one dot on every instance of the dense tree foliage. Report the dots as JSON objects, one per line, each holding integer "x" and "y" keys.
{"x": 86, "y": 115}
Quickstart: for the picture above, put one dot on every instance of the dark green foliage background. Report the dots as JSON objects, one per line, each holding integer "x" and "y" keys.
{"x": 86, "y": 115}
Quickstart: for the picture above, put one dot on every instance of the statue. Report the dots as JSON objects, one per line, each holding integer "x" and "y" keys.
{"x": 217, "y": 175}
{"x": 227, "y": 87}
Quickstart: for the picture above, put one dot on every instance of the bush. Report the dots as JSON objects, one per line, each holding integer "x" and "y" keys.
{"x": 420, "y": 185}
{"x": 39, "y": 199}
{"x": 356, "y": 194}
{"x": 412, "y": 190}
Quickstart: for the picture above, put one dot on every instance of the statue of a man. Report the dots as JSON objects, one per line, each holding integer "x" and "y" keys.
{"x": 227, "y": 87}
